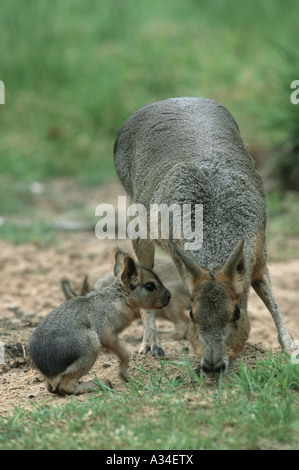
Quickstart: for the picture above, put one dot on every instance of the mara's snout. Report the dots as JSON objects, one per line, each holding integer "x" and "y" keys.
{"x": 213, "y": 367}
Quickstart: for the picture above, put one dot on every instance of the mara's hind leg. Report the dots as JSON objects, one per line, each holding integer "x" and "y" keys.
{"x": 145, "y": 252}
{"x": 262, "y": 287}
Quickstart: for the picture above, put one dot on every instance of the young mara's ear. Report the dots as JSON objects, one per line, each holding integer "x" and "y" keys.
{"x": 85, "y": 289}
{"x": 66, "y": 289}
{"x": 129, "y": 271}
{"x": 118, "y": 262}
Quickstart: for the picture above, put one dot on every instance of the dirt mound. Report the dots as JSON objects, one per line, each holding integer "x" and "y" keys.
{"x": 30, "y": 288}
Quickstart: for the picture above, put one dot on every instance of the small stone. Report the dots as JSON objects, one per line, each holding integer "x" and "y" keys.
{"x": 106, "y": 365}
{"x": 36, "y": 187}
{"x": 13, "y": 307}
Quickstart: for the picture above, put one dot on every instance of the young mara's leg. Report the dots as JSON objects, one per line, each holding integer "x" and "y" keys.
{"x": 72, "y": 386}
{"x": 263, "y": 288}
{"x": 145, "y": 252}
{"x": 67, "y": 383}
{"x": 111, "y": 342}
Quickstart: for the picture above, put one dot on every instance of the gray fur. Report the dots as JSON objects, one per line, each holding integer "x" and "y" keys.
{"x": 194, "y": 146}
{"x": 67, "y": 342}
{"x": 189, "y": 150}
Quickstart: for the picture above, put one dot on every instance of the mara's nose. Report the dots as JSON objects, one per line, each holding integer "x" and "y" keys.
{"x": 213, "y": 369}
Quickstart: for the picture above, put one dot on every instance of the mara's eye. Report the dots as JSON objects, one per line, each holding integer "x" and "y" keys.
{"x": 237, "y": 313}
{"x": 150, "y": 286}
{"x": 191, "y": 315}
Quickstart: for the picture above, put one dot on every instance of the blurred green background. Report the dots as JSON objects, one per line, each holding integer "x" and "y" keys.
{"x": 75, "y": 70}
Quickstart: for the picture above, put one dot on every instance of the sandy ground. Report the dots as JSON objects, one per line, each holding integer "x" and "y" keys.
{"x": 30, "y": 288}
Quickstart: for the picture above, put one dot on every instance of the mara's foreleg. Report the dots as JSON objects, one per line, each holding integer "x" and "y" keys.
{"x": 145, "y": 252}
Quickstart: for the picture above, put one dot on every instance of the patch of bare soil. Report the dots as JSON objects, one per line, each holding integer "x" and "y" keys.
{"x": 30, "y": 289}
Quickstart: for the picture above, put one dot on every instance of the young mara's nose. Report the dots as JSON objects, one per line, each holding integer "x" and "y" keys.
{"x": 167, "y": 297}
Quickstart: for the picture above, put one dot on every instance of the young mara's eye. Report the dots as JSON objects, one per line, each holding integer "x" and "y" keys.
{"x": 150, "y": 286}
{"x": 189, "y": 309}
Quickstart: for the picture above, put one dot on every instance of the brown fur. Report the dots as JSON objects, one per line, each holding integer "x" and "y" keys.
{"x": 174, "y": 312}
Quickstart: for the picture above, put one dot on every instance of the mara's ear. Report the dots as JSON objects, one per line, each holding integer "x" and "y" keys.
{"x": 189, "y": 270}
{"x": 234, "y": 267}
{"x": 129, "y": 272}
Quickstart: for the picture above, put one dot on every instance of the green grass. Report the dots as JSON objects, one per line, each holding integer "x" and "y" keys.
{"x": 284, "y": 165}
{"x": 39, "y": 232}
{"x": 257, "y": 409}
{"x": 74, "y": 71}
{"x": 283, "y": 225}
